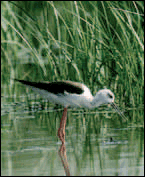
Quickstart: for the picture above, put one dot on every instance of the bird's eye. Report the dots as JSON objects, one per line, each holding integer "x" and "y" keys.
{"x": 110, "y": 96}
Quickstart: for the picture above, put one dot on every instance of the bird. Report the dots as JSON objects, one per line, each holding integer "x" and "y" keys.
{"x": 71, "y": 94}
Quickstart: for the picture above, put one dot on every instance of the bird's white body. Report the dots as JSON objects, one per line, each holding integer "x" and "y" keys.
{"x": 74, "y": 94}
{"x": 83, "y": 100}
{"x": 68, "y": 99}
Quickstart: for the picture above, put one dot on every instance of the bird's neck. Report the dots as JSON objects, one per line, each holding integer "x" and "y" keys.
{"x": 96, "y": 102}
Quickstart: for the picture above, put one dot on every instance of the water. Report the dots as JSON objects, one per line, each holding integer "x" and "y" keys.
{"x": 97, "y": 143}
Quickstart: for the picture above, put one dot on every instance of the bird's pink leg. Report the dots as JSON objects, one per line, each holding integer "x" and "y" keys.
{"x": 61, "y": 130}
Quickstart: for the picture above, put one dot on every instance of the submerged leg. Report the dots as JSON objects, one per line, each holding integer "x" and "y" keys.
{"x": 61, "y": 130}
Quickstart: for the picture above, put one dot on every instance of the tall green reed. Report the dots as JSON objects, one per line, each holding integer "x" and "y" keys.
{"x": 99, "y": 43}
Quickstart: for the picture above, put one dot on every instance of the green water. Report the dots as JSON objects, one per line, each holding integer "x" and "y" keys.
{"x": 97, "y": 142}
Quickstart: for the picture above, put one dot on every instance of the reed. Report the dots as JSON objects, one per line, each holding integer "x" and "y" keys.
{"x": 99, "y": 43}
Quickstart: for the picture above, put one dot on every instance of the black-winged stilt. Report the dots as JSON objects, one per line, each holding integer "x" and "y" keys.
{"x": 75, "y": 94}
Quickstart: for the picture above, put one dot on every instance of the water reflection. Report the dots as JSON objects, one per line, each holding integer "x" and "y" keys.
{"x": 63, "y": 156}
{"x": 96, "y": 144}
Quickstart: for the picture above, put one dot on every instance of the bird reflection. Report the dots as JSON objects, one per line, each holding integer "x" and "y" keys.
{"x": 63, "y": 157}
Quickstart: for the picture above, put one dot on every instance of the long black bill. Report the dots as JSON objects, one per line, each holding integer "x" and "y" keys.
{"x": 118, "y": 111}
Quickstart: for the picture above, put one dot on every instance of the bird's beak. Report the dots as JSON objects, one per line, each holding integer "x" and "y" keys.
{"x": 118, "y": 110}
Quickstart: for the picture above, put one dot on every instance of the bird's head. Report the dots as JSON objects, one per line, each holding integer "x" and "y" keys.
{"x": 105, "y": 96}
